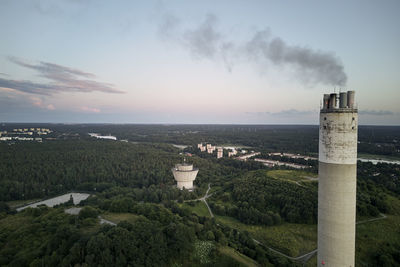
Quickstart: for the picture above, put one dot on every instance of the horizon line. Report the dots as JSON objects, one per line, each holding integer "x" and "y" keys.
{"x": 168, "y": 124}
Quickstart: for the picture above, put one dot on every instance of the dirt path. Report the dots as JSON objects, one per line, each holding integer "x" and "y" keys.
{"x": 204, "y": 199}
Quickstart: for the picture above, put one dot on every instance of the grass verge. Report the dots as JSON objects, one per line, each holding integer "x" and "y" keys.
{"x": 292, "y": 175}
{"x": 118, "y": 217}
{"x": 198, "y": 208}
{"x": 291, "y": 239}
{"x": 243, "y": 260}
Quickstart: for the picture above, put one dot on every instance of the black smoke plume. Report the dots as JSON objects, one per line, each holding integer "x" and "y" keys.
{"x": 206, "y": 42}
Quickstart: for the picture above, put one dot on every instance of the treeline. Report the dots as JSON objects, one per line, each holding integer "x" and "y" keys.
{"x": 386, "y": 176}
{"x": 249, "y": 165}
{"x": 375, "y": 184}
{"x": 266, "y": 194}
{"x": 203, "y": 228}
{"x": 246, "y": 214}
{"x": 34, "y": 170}
{"x": 258, "y": 199}
{"x": 371, "y": 200}
{"x": 161, "y": 235}
{"x": 381, "y": 140}
{"x": 312, "y": 163}
{"x": 52, "y": 238}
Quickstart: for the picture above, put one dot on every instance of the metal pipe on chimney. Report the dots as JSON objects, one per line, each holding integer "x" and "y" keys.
{"x": 332, "y": 101}
{"x": 350, "y": 99}
{"x": 343, "y": 100}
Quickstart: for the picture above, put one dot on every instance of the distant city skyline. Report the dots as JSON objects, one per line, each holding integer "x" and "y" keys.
{"x": 228, "y": 62}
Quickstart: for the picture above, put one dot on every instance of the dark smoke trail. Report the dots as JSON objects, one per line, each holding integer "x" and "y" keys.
{"x": 312, "y": 66}
{"x": 318, "y": 66}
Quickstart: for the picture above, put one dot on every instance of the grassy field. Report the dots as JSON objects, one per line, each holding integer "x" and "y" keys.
{"x": 118, "y": 217}
{"x": 291, "y": 239}
{"x": 297, "y": 239}
{"x": 18, "y": 203}
{"x": 237, "y": 256}
{"x": 214, "y": 189}
{"x": 199, "y": 208}
{"x": 394, "y": 205}
{"x": 292, "y": 175}
{"x": 373, "y": 156}
{"x": 13, "y": 222}
{"x": 313, "y": 261}
{"x": 299, "y": 177}
{"x": 373, "y": 235}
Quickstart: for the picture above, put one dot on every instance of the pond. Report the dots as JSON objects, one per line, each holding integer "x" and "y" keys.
{"x": 376, "y": 161}
{"x": 78, "y": 197}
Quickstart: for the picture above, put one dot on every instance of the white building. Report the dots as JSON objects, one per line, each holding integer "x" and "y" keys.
{"x": 220, "y": 152}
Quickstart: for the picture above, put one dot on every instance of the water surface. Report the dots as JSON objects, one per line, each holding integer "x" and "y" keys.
{"x": 78, "y": 197}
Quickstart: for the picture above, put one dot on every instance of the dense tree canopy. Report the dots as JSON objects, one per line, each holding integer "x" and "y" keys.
{"x": 135, "y": 178}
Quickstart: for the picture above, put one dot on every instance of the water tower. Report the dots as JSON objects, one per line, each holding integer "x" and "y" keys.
{"x": 184, "y": 175}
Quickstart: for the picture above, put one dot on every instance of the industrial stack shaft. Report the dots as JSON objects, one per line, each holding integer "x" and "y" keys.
{"x": 337, "y": 180}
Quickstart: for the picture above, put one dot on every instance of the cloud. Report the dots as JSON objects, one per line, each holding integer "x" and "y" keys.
{"x": 50, "y": 107}
{"x": 28, "y": 86}
{"x": 376, "y": 112}
{"x": 69, "y": 8}
{"x": 293, "y": 112}
{"x": 89, "y": 109}
{"x": 51, "y": 70}
{"x": 37, "y": 102}
{"x": 207, "y": 42}
{"x": 203, "y": 41}
{"x": 284, "y": 113}
{"x": 63, "y": 79}
{"x": 168, "y": 25}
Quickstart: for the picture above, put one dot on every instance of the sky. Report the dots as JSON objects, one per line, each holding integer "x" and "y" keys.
{"x": 230, "y": 62}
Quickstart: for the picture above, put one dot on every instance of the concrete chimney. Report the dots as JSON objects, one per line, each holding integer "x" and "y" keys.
{"x": 337, "y": 183}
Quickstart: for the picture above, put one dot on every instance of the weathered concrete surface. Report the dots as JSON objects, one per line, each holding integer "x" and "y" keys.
{"x": 338, "y": 137}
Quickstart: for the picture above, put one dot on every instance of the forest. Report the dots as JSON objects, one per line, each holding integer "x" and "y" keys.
{"x": 379, "y": 140}
{"x": 158, "y": 237}
{"x": 133, "y": 179}
{"x": 257, "y": 198}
